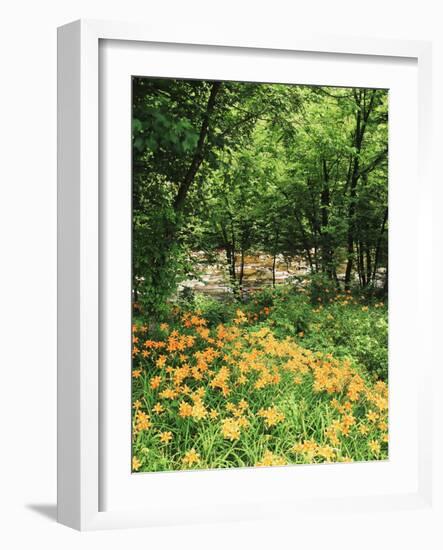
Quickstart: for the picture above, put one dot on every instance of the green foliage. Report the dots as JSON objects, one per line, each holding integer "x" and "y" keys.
{"x": 340, "y": 323}
{"x": 215, "y": 311}
{"x": 320, "y": 287}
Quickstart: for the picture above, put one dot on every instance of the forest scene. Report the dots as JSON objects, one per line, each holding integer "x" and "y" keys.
{"x": 259, "y": 274}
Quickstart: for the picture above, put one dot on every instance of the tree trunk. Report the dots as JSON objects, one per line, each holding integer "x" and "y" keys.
{"x": 358, "y": 264}
{"x": 274, "y": 255}
{"x": 304, "y": 240}
{"x": 386, "y": 283}
{"x": 233, "y": 259}
{"x": 368, "y": 264}
{"x": 361, "y": 119}
{"x": 230, "y": 255}
{"x": 171, "y": 227}
{"x": 242, "y": 271}
{"x": 230, "y": 260}
{"x": 325, "y": 198}
{"x": 378, "y": 245}
{"x": 351, "y": 216}
{"x": 199, "y": 151}
{"x": 273, "y": 269}
{"x": 361, "y": 265}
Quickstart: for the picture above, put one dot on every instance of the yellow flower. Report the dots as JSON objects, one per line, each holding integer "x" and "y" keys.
{"x": 240, "y": 317}
{"x": 168, "y": 393}
{"x": 326, "y": 452}
{"x": 230, "y": 407}
{"x": 155, "y": 382}
{"x": 308, "y": 448}
{"x": 164, "y": 327}
{"x": 271, "y": 415}
{"x": 185, "y": 409}
{"x": 165, "y": 437}
{"x": 230, "y": 429}
{"x": 243, "y": 422}
{"x": 136, "y": 463}
{"x": 336, "y": 404}
{"x": 271, "y": 459}
{"x": 363, "y": 429}
{"x": 199, "y": 411}
{"x": 243, "y": 405}
{"x": 158, "y": 408}
{"x": 203, "y": 332}
{"x": 213, "y": 414}
{"x": 199, "y": 394}
{"x": 347, "y": 422}
{"x": 333, "y": 431}
{"x": 136, "y": 373}
{"x": 381, "y": 387}
{"x": 344, "y": 459}
{"x": 191, "y": 457}
{"x": 142, "y": 421}
{"x": 372, "y": 416}
{"x": 137, "y": 404}
{"x": 374, "y": 446}
{"x": 221, "y": 380}
{"x": 197, "y": 321}
{"x": 383, "y": 425}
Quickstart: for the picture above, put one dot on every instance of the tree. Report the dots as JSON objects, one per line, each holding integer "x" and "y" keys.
{"x": 296, "y": 171}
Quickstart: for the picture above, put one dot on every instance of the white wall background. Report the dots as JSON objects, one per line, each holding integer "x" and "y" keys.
{"x": 28, "y": 255}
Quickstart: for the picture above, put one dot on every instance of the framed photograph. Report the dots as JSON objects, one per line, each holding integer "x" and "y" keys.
{"x": 240, "y": 225}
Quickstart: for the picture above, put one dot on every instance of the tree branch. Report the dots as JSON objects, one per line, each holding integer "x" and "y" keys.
{"x": 374, "y": 162}
{"x": 199, "y": 151}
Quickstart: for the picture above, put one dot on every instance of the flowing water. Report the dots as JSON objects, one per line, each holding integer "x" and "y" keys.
{"x": 213, "y": 278}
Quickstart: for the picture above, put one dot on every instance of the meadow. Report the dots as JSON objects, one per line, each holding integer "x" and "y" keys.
{"x": 296, "y": 375}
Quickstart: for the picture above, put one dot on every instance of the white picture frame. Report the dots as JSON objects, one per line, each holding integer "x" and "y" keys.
{"x": 82, "y": 468}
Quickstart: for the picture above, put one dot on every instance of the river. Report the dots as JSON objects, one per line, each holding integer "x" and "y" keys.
{"x": 212, "y": 279}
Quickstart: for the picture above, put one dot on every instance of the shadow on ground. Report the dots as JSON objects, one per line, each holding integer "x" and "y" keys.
{"x": 48, "y": 511}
